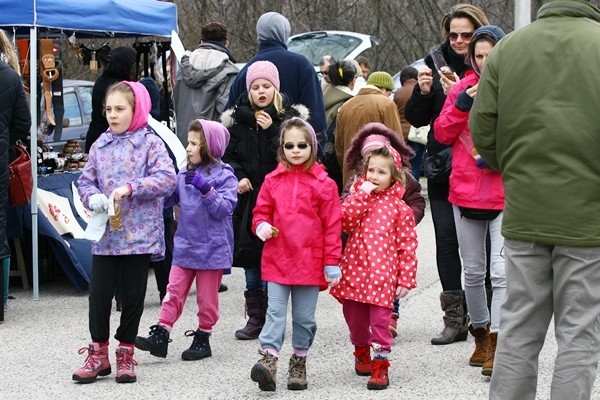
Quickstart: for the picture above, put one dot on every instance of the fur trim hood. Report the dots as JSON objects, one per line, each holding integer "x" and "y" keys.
{"x": 353, "y": 156}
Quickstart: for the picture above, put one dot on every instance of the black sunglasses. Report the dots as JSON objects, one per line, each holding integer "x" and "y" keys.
{"x": 465, "y": 35}
{"x": 301, "y": 146}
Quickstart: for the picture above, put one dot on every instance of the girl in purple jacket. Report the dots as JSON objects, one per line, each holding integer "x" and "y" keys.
{"x": 128, "y": 166}
{"x": 203, "y": 249}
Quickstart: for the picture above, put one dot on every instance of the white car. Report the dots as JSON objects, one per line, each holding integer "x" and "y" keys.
{"x": 342, "y": 45}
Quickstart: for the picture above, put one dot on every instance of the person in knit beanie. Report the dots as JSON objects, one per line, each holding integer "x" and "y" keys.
{"x": 253, "y": 123}
{"x": 265, "y": 70}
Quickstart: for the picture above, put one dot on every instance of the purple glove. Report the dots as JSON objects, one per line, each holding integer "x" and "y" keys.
{"x": 195, "y": 179}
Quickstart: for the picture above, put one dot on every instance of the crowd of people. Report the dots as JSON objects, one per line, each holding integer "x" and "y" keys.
{"x": 312, "y": 185}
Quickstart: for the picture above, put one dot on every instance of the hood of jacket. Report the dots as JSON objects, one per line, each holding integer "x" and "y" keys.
{"x": 353, "y": 157}
{"x": 569, "y": 8}
{"x": 142, "y": 106}
{"x": 273, "y": 26}
{"x": 495, "y": 32}
{"x": 204, "y": 64}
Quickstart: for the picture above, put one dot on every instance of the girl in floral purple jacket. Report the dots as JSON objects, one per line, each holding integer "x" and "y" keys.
{"x": 207, "y": 194}
{"x": 129, "y": 166}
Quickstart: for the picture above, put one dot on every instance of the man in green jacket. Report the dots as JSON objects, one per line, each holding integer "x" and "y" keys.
{"x": 536, "y": 119}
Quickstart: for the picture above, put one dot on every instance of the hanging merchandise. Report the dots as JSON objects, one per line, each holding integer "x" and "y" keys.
{"x": 49, "y": 73}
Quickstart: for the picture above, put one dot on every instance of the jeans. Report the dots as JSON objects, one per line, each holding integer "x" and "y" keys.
{"x": 304, "y": 323}
{"x": 417, "y": 161}
{"x": 253, "y": 281}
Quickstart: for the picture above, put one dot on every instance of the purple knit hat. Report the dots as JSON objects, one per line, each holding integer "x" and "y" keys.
{"x": 262, "y": 69}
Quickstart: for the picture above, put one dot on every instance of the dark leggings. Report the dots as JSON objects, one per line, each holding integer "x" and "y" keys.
{"x": 446, "y": 243}
{"x": 134, "y": 279}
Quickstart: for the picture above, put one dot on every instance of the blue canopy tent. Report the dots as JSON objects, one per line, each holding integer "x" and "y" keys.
{"x": 89, "y": 18}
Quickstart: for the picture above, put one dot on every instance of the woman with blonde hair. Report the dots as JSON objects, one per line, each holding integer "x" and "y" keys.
{"x": 8, "y": 54}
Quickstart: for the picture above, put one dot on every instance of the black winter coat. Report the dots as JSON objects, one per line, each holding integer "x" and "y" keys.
{"x": 15, "y": 122}
{"x": 252, "y": 153}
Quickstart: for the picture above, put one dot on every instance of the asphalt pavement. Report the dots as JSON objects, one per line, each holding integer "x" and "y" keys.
{"x": 39, "y": 342}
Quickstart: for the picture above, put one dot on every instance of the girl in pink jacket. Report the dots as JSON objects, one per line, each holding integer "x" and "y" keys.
{"x": 298, "y": 215}
{"x": 379, "y": 261}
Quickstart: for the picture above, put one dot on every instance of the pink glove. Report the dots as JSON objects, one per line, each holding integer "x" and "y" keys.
{"x": 264, "y": 231}
{"x": 368, "y": 187}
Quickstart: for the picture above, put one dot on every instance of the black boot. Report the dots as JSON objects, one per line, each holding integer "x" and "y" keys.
{"x": 456, "y": 320}
{"x": 157, "y": 343}
{"x": 256, "y": 308}
{"x": 200, "y": 347}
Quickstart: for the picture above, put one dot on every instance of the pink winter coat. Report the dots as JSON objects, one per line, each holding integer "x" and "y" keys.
{"x": 305, "y": 207}
{"x": 470, "y": 186}
{"x": 381, "y": 251}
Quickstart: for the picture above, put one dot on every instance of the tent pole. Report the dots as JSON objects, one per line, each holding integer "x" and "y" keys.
{"x": 33, "y": 89}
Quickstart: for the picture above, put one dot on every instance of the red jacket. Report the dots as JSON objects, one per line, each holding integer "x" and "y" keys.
{"x": 305, "y": 207}
{"x": 381, "y": 251}
{"x": 470, "y": 186}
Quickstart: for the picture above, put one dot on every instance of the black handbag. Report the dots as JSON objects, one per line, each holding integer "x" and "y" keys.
{"x": 437, "y": 166}
{"x": 247, "y": 248}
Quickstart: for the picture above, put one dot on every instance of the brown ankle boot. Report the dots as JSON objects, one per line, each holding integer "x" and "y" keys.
{"x": 256, "y": 308}
{"x": 264, "y": 372}
{"x": 488, "y": 365}
{"x": 456, "y": 319}
{"x": 482, "y": 338}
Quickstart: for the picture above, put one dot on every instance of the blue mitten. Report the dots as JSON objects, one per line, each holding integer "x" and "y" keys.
{"x": 464, "y": 102}
{"x": 195, "y": 179}
{"x": 333, "y": 271}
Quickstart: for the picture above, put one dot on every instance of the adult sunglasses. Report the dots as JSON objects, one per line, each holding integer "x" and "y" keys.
{"x": 465, "y": 35}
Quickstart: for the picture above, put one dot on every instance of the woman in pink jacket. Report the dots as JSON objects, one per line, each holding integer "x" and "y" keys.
{"x": 477, "y": 198}
{"x": 299, "y": 217}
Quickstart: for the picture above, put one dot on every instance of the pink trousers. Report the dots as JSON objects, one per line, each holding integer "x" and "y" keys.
{"x": 368, "y": 324}
{"x": 207, "y": 296}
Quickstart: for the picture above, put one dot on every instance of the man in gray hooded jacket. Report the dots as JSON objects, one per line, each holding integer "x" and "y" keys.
{"x": 204, "y": 79}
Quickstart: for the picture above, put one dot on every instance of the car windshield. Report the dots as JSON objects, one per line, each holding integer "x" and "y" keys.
{"x": 315, "y": 45}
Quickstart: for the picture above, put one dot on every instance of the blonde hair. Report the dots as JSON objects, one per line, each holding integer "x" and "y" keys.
{"x": 125, "y": 90}
{"x": 277, "y": 102}
{"x": 9, "y": 51}
{"x": 298, "y": 124}
{"x": 398, "y": 174}
{"x": 205, "y": 155}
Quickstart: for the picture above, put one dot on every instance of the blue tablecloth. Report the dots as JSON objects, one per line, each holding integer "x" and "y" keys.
{"x": 73, "y": 255}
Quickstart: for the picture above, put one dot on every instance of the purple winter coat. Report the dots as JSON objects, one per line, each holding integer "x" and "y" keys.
{"x": 204, "y": 236}
{"x": 140, "y": 159}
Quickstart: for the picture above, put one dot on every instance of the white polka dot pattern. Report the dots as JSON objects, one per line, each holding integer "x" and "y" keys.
{"x": 381, "y": 250}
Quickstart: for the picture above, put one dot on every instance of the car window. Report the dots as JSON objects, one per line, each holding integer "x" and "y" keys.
{"x": 313, "y": 46}
{"x": 85, "y": 96}
{"x": 72, "y": 111}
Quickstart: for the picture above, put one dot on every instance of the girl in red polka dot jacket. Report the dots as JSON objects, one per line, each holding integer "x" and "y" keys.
{"x": 379, "y": 262}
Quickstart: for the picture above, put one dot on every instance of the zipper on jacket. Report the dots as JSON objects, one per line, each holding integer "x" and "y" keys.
{"x": 295, "y": 191}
